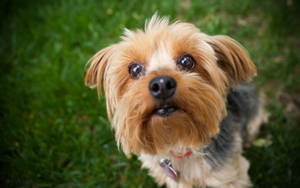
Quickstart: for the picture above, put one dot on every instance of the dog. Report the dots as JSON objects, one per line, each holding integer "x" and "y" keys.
{"x": 180, "y": 100}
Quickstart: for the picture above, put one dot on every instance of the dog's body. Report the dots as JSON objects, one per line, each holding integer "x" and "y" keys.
{"x": 173, "y": 99}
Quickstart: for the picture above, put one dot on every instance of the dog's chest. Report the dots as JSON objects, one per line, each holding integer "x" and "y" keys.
{"x": 194, "y": 169}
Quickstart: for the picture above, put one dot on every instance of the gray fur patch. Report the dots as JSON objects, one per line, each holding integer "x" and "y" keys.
{"x": 242, "y": 106}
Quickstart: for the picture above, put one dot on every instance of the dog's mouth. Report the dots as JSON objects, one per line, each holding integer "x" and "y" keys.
{"x": 165, "y": 110}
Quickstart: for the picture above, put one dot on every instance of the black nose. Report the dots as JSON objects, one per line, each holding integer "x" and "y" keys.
{"x": 162, "y": 87}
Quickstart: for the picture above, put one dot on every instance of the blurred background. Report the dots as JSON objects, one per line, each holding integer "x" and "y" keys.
{"x": 54, "y": 131}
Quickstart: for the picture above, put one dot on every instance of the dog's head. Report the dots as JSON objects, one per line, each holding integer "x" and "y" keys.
{"x": 166, "y": 86}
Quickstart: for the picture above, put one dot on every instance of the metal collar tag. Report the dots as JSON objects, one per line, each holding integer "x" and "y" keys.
{"x": 168, "y": 169}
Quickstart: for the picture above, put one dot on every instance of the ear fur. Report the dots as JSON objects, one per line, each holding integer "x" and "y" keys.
{"x": 96, "y": 71}
{"x": 233, "y": 59}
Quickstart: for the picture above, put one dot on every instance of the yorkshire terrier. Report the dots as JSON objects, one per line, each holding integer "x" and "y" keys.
{"x": 178, "y": 99}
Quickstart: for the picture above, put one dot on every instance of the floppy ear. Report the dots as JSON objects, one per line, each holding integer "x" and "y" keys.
{"x": 233, "y": 59}
{"x": 95, "y": 73}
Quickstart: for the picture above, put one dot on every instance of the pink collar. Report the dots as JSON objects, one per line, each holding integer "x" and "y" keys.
{"x": 187, "y": 154}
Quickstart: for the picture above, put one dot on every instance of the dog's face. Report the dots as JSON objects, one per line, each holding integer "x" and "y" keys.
{"x": 166, "y": 87}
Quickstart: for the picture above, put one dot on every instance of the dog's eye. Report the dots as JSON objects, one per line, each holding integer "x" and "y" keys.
{"x": 136, "y": 70}
{"x": 186, "y": 62}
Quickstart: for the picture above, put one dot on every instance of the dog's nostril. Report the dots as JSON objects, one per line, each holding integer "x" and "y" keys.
{"x": 170, "y": 85}
{"x": 155, "y": 87}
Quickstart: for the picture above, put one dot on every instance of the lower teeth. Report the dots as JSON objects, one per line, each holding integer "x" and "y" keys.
{"x": 165, "y": 111}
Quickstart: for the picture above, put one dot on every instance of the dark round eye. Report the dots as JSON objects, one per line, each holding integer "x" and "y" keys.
{"x": 186, "y": 62}
{"x": 136, "y": 70}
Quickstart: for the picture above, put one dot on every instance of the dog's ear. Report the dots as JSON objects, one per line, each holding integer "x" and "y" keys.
{"x": 232, "y": 58}
{"x": 95, "y": 73}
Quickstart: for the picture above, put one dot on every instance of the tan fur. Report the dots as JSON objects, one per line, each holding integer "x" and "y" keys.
{"x": 200, "y": 96}
{"x": 256, "y": 122}
{"x": 232, "y": 58}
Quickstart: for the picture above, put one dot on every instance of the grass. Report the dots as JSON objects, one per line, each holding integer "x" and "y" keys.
{"x": 54, "y": 132}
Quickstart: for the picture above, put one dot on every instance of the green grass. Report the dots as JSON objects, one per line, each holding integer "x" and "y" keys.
{"x": 54, "y": 131}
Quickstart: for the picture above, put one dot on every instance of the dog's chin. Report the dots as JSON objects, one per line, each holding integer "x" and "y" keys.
{"x": 170, "y": 128}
